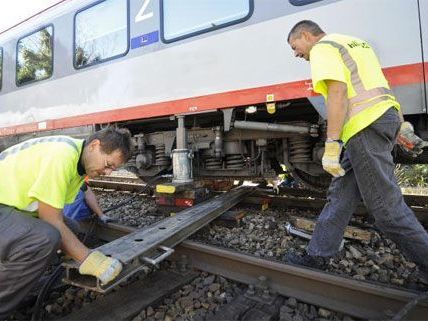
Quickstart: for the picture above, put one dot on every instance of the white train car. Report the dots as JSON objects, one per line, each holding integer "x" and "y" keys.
{"x": 224, "y": 65}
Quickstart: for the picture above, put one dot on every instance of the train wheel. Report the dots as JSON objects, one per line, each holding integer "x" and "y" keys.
{"x": 317, "y": 183}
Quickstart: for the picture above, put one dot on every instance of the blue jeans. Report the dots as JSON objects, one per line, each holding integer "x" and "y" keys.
{"x": 78, "y": 210}
{"x": 370, "y": 176}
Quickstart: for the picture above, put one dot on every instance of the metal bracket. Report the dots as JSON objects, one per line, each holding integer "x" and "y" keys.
{"x": 260, "y": 291}
{"x": 160, "y": 258}
{"x": 227, "y": 116}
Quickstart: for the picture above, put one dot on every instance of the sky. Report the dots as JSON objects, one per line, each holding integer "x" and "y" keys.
{"x": 14, "y": 11}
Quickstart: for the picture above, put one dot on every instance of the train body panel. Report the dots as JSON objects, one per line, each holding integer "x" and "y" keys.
{"x": 252, "y": 56}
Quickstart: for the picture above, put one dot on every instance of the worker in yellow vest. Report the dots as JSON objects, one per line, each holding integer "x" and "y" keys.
{"x": 363, "y": 122}
{"x": 38, "y": 177}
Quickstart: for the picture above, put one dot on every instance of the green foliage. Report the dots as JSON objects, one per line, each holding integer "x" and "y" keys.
{"x": 412, "y": 175}
{"x": 35, "y": 57}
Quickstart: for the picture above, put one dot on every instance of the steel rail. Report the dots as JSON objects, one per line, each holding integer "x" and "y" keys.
{"x": 421, "y": 212}
{"x": 303, "y": 196}
{"x": 356, "y": 298}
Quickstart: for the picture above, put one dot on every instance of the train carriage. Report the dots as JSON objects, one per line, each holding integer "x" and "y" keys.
{"x": 214, "y": 77}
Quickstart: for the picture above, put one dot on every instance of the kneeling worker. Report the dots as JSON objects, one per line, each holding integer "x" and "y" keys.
{"x": 40, "y": 176}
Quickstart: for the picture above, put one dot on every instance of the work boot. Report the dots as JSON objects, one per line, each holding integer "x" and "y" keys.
{"x": 316, "y": 262}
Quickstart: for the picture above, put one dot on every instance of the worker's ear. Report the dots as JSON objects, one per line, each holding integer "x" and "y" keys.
{"x": 305, "y": 35}
{"x": 93, "y": 144}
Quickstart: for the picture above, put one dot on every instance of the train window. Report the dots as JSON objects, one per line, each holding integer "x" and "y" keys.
{"x": 302, "y": 2}
{"x": 186, "y": 19}
{"x": 1, "y": 67}
{"x": 101, "y": 32}
{"x": 34, "y": 56}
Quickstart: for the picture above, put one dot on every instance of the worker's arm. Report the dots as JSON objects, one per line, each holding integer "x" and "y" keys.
{"x": 92, "y": 202}
{"x": 92, "y": 263}
{"x": 337, "y": 101}
{"x": 69, "y": 242}
{"x": 337, "y": 106}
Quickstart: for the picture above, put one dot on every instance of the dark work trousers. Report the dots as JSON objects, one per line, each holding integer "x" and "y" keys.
{"x": 27, "y": 245}
{"x": 370, "y": 176}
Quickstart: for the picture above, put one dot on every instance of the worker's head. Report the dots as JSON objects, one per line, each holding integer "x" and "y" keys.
{"x": 106, "y": 150}
{"x": 303, "y": 36}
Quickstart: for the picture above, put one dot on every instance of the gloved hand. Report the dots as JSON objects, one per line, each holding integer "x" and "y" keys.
{"x": 408, "y": 140}
{"x": 105, "y": 218}
{"x": 331, "y": 158}
{"x": 101, "y": 266}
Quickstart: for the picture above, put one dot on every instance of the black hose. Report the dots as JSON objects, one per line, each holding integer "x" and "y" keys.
{"x": 38, "y": 314}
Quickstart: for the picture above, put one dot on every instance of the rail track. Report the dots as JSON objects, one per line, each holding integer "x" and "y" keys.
{"x": 269, "y": 280}
{"x": 356, "y": 298}
{"x": 289, "y": 197}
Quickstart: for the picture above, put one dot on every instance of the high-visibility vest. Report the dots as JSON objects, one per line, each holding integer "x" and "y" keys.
{"x": 40, "y": 169}
{"x": 352, "y": 61}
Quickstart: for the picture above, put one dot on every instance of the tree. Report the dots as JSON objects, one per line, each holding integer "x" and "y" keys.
{"x": 35, "y": 56}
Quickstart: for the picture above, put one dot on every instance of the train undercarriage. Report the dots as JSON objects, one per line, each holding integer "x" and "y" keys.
{"x": 239, "y": 145}
{"x": 242, "y": 143}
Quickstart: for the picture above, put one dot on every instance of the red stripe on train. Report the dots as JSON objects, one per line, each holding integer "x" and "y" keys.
{"x": 397, "y": 76}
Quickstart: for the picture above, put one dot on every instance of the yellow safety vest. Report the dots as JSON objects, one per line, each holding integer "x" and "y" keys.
{"x": 40, "y": 169}
{"x": 352, "y": 61}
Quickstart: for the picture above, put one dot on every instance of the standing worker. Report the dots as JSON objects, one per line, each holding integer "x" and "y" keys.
{"x": 38, "y": 177}
{"x": 363, "y": 118}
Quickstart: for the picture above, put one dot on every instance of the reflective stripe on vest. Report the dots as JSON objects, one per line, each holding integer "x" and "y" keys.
{"x": 363, "y": 98}
{"x": 35, "y": 141}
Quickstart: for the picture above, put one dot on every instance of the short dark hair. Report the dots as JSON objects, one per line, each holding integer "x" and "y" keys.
{"x": 112, "y": 139}
{"x": 305, "y": 25}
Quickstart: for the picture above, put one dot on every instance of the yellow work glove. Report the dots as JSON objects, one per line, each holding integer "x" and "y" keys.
{"x": 331, "y": 158}
{"x": 101, "y": 266}
{"x": 408, "y": 141}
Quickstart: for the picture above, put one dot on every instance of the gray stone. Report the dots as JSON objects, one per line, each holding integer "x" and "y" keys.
{"x": 298, "y": 317}
{"x": 214, "y": 287}
{"x": 186, "y": 302}
{"x": 355, "y": 253}
{"x": 196, "y": 304}
{"x": 292, "y": 302}
{"x": 324, "y": 313}
{"x": 363, "y": 271}
{"x": 150, "y": 311}
{"x": 209, "y": 280}
{"x": 285, "y": 310}
{"x": 160, "y": 315}
{"x": 168, "y": 318}
{"x": 397, "y": 281}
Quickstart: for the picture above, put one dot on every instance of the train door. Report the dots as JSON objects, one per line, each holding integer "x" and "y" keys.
{"x": 423, "y": 13}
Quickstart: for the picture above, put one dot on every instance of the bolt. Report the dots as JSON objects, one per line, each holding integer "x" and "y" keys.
{"x": 266, "y": 294}
{"x": 251, "y": 290}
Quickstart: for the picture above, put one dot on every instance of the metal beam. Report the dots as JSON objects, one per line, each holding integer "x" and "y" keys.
{"x": 154, "y": 243}
{"x": 356, "y": 298}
